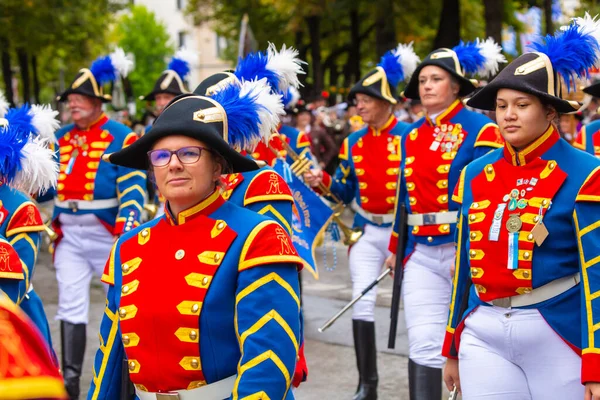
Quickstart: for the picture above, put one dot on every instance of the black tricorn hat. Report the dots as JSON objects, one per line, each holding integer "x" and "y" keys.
{"x": 529, "y": 73}
{"x": 169, "y": 82}
{"x": 215, "y": 83}
{"x": 85, "y": 83}
{"x": 448, "y": 61}
{"x": 375, "y": 84}
{"x": 594, "y": 89}
{"x": 198, "y": 117}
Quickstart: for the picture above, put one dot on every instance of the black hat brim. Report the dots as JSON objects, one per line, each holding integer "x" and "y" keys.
{"x": 412, "y": 89}
{"x": 176, "y": 120}
{"x": 64, "y": 95}
{"x": 152, "y": 95}
{"x": 485, "y": 98}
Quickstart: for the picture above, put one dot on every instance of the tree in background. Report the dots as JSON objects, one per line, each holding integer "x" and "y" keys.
{"x": 141, "y": 34}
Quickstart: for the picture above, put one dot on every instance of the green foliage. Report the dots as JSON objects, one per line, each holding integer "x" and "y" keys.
{"x": 139, "y": 33}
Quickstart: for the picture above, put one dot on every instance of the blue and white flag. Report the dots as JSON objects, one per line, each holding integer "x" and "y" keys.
{"x": 310, "y": 219}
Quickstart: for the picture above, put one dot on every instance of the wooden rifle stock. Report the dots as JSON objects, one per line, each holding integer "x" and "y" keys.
{"x": 398, "y": 275}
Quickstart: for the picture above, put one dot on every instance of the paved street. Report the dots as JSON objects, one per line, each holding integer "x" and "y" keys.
{"x": 330, "y": 354}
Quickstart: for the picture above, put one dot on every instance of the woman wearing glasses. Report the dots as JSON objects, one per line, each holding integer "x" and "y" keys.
{"x": 203, "y": 302}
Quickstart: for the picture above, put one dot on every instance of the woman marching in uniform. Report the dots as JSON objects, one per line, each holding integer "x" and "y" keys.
{"x": 203, "y": 302}
{"x": 434, "y": 151}
{"x": 524, "y": 314}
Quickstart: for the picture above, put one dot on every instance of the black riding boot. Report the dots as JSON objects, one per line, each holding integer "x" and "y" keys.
{"x": 425, "y": 383}
{"x": 73, "y": 349}
{"x": 366, "y": 359}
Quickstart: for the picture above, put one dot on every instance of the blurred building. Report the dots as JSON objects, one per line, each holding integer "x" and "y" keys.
{"x": 200, "y": 39}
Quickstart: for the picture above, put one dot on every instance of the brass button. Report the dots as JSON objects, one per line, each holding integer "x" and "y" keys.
{"x": 446, "y": 168}
{"x": 429, "y": 239}
{"x": 195, "y": 308}
{"x": 125, "y": 268}
{"x": 545, "y": 202}
{"x": 204, "y": 280}
{"x": 145, "y": 233}
{"x": 473, "y": 235}
{"x": 536, "y": 218}
{"x": 122, "y": 312}
{"x": 195, "y": 363}
{"x": 125, "y": 289}
{"x": 530, "y": 236}
{"x": 444, "y": 198}
{"x": 474, "y": 271}
{"x": 444, "y": 183}
{"x": 473, "y": 217}
{"x": 472, "y": 253}
{"x": 217, "y": 257}
{"x": 179, "y": 254}
{"x": 220, "y": 225}
{"x": 410, "y": 185}
{"x": 489, "y": 170}
{"x": 475, "y": 205}
{"x": 445, "y": 228}
{"x": 193, "y": 335}
{"x": 525, "y": 274}
{"x": 552, "y": 165}
{"x": 526, "y": 255}
{"x": 131, "y": 365}
{"x": 131, "y": 213}
{"x": 126, "y": 340}
{"x": 527, "y": 290}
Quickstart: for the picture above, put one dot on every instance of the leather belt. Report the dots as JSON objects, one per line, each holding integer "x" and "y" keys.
{"x": 377, "y": 219}
{"x": 538, "y": 295}
{"x": 75, "y": 205}
{"x": 439, "y": 218}
{"x": 215, "y": 391}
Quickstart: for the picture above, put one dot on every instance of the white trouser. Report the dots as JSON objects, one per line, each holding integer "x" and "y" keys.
{"x": 514, "y": 354}
{"x": 366, "y": 260}
{"x": 426, "y": 291}
{"x": 81, "y": 253}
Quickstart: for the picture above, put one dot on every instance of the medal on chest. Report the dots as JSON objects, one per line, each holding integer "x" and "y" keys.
{"x": 447, "y": 138}
{"x": 80, "y": 146}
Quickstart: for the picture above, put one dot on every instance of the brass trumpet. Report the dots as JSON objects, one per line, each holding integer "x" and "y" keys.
{"x": 50, "y": 232}
{"x": 301, "y": 165}
{"x": 152, "y": 209}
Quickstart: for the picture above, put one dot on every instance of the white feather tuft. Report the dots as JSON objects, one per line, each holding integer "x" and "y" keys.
{"x": 4, "y": 106}
{"x": 270, "y": 108}
{"x": 121, "y": 62}
{"x": 44, "y": 120}
{"x": 188, "y": 56}
{"x": 286, "y": 64}
{"x": 492, "y": 52}
{"x": 39, "y": 168}
{"x": 408, "y": 58}
{"x": 588, "y": 25}
{"x": 294, "y": 97}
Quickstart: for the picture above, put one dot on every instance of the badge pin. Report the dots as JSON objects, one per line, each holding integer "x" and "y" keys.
{"x": 514, "y": 223}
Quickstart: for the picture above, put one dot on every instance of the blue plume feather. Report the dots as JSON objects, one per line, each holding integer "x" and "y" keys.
{"x": 570, "y": 51}
{"x": 103, "y": 70}
{"x": 19, "y": 119}
{"x": 469, "y": 56}
{"x": 12, "y": 142}
{"x": 390, "y": 63}
{"x": 181, "y": 67}
{"x": 254, "y": 67}
{"x": 242, "y": 116}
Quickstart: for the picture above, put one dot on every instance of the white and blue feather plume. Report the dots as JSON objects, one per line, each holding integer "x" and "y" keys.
{"x": 108, "y": 68}
{"x": 27, "y": 162}
{"x": 182, "y": 62}
{"x": 252, "y": 110}
{"x": 572, "y": 50}
{"x": 399, "y": 64}
{"x": 280, "y": 68}
{"x": 481, "y": 58}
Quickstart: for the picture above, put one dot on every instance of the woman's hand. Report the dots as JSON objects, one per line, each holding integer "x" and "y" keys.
{"x": 313, "y": 177}
{"x": 592, "y": 391}
{"x": 451, "y": 378}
